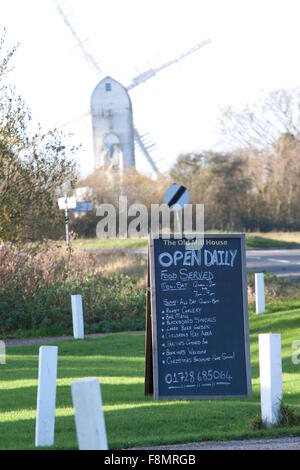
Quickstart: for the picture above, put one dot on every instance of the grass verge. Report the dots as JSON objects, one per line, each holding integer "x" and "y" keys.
{"x": 253, "y": 240}
{"x": 263, "y": 241}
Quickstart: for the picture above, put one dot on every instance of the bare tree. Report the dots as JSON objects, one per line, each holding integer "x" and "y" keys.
{"x": 260, "y": 124}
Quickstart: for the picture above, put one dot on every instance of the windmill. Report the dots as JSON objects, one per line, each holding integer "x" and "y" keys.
{"x": 103, "y": 137}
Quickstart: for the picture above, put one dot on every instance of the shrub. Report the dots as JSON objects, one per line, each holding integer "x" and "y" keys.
{"x": 35, "y": 291}
{"x": 287, "y": 417}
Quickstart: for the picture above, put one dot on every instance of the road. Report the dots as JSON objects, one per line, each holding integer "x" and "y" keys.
{"x": 287, "y": 443}
{"x": 283, "y": 263}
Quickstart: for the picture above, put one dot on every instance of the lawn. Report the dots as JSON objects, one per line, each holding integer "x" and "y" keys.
{"x": 269, "y": 240}
{"x": 108, "y": 243}
{"x": 253, "y": 240}
{"x": 131, "y": 418}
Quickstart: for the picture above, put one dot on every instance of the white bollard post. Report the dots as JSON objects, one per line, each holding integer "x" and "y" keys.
{"x": 89, "y": 417}
{"x": 2, "y": 353}
{"x": 77, "y": 317}
{"x": 270, "y": 377}
{"x": 260, "y": 292}
{"x": 46, "y": 397}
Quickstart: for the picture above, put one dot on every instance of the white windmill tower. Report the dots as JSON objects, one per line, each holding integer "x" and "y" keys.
{"x": 114, "y": 134}
{"x": 112, "y": 121}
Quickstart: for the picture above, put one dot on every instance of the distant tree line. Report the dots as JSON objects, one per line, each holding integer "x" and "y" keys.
{"x": 246, "y": 189}
{"x": 253, "y": 187}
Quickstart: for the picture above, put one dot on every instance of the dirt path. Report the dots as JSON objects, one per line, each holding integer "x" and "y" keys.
{"x": 288, "y": 443}
{"x": 54, "y": 339}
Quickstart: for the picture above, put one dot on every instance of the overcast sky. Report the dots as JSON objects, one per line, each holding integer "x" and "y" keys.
{"x": 254, "y": 49}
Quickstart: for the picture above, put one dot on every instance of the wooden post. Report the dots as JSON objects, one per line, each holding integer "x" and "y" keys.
{"x": 77, "y": 317}
{"x": 270, "y": 377}
{"x": 89, "y": 418}
{"x": 46, "y": 397}
{"x": 260, "y": 292}
{"x": 148, "y": 389}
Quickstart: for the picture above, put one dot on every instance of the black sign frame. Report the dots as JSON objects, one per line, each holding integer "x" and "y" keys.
{"x": 152, "y": 380}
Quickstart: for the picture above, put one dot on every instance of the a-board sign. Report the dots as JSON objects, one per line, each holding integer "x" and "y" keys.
{"x": 197, "y": 319}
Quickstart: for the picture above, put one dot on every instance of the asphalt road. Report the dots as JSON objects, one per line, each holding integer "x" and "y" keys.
{"x": 282, "y": 262}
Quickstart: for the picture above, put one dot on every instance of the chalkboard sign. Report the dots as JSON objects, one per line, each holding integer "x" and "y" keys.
{"x": 198, "y": 320}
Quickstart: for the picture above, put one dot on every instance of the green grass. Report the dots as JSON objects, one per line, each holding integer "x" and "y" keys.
{"x": 255, "y": 241}
{"x": 269, "y": 239}
{"x": 252, "y": 241}
{"x": 108, "y": 243}
{"x": 131, "y": 418}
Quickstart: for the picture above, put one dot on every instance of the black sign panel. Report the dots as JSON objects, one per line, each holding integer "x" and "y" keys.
{"x": 200, "y": 333}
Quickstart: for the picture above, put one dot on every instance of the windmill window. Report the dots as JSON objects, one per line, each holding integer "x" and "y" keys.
{"x": 107, "y": 86}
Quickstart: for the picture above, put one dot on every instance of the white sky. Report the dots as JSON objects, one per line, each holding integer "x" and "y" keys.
{"x": 254, "y": 49}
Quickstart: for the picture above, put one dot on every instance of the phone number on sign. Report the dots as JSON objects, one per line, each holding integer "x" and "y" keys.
{"x": 190, "y": 377}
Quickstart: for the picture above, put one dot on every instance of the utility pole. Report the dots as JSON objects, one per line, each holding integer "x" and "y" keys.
{"x": 67, "y": 224}
{"x": 66, "y": 203}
